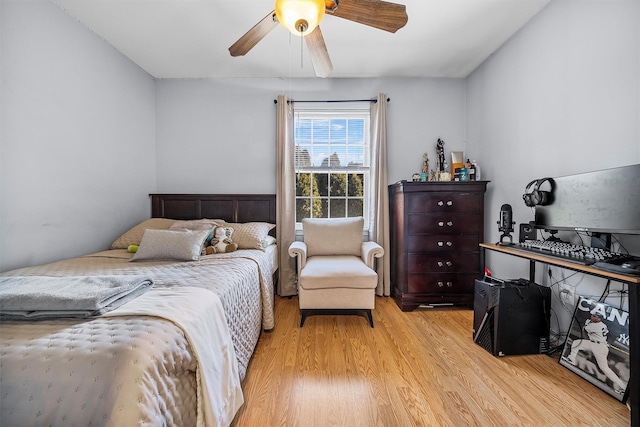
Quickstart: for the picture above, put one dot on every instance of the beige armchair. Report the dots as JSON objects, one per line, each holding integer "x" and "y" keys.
{"x": 335, "y": 268}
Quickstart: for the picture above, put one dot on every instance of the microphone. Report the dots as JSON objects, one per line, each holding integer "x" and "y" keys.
{"x": 505, "y": 224}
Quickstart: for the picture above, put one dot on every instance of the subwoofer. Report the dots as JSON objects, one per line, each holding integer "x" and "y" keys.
{"x": 511, "y": 318}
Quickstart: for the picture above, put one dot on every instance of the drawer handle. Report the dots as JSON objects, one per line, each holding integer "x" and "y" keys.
{"x": 441, "y": 284}
{"x": 449, "y": 284}
{"x": 441, "y": 244}
{"x": 442, "y": 264}
{"x": 448, "y": 202}
{"x": 441, "y": 223}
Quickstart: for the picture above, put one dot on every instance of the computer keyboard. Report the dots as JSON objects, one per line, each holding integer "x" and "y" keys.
{"x": 584, "y": 255}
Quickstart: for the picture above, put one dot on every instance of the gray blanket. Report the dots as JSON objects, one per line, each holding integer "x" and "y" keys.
{"x": 45, "y": 297}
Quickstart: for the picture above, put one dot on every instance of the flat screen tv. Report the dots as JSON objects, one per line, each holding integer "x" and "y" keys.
{"x": 604, "y": 201}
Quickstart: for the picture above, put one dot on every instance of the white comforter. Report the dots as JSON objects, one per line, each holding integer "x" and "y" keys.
{"x": 138, "y": 369}
{"x": 109, "y": 362}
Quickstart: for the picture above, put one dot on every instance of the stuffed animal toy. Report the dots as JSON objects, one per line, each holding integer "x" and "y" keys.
{"x": 221, "y": 241}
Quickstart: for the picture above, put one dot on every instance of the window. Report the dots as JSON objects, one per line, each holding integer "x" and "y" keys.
{"x": 332, "y": 160}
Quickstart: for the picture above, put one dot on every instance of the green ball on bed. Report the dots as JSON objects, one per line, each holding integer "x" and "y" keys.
{"x": 133, "y": 248}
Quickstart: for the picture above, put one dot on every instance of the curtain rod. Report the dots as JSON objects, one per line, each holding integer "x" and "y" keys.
{"x": 374, "y": 100}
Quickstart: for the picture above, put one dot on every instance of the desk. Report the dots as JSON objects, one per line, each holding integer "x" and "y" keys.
{"x": 634, "y": 291}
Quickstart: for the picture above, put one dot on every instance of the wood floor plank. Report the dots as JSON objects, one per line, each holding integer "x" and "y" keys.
{"x": 417, "y": 368}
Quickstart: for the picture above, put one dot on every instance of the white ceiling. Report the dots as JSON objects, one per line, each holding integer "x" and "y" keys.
{"x": 190, "y": 38}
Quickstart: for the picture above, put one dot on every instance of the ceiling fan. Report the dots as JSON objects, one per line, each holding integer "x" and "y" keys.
{"x": 302, "y": 17}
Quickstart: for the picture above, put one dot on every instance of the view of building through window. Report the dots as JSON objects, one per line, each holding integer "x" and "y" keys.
{"x": 332, "y": 164}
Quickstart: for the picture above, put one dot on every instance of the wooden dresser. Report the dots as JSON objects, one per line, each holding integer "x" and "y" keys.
{"x": 436, "y": 228}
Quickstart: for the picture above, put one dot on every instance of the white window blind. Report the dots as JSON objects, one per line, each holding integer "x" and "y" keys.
{"x": 332, "y": 161}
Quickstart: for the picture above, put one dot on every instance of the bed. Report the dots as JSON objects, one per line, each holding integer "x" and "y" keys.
{"x": 174, "y": 355}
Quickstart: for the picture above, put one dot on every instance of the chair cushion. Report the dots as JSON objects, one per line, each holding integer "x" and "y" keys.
{"x": 335, "y": 236}
{"x": 337, "y": 271}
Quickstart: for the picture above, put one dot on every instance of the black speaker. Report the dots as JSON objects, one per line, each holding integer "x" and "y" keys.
{"x": 511, "y": 318}
{"x": 527, "y": 232}
{"x": 533, "y": 196}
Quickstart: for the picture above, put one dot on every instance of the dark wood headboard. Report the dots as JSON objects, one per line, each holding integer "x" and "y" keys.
{"x": 230, "y": 207}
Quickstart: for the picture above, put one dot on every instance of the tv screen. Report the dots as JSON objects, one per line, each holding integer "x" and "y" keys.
{"x": 605, "y": 201}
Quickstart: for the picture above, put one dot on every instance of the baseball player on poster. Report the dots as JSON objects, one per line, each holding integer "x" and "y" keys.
{"x": 596, "y": 342}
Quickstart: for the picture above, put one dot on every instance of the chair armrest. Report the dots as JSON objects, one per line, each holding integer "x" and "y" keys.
{"x": 371, "y": 250}
{"x": 299, "y": 251}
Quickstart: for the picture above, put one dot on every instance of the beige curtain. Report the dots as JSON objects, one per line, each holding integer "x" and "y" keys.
{"x": 285, "y": 196}
{"x": 379, "y": 230}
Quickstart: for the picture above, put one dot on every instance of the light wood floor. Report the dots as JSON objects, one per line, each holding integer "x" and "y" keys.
{"x": 418, "y": 368}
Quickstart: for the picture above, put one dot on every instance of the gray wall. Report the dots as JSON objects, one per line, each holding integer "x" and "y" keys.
{"x": 219, "y": 135}
{"x": 77, "y": 138}
{"x": 561, "y": 97}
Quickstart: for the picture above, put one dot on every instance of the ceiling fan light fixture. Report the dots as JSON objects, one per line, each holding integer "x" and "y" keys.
{"x": 300, "y": 17}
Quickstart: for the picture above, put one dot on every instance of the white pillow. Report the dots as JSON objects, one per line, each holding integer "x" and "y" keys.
{"x": 171, "y": 244}
{"x": 268, "y": 241}
{"x": 250, "y": 235}
{"x": 133, "y": 235}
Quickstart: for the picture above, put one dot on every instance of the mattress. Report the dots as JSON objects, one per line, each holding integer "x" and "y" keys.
{"x": 74, "y": 367}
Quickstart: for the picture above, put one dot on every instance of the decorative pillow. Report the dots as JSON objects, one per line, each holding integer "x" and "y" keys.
{"x": 198, "y": 224}
{"x": 171, "y": 244}
{"x": 335, "y": 236}
{"x": 133, "y": 236}
{"x": 250, "y": 235}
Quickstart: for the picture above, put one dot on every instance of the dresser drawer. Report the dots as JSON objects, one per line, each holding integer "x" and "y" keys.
{"x": 445, "y": 202}
{"x": 441, "y": 283}
{"x": 442, "y": 223}
{"x": 443, "y": 243}
{"x": 443, "y": 263}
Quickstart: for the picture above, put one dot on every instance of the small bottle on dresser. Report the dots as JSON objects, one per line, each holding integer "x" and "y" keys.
{"x": 471, "y": 171}
{"x": 476, "y": 170}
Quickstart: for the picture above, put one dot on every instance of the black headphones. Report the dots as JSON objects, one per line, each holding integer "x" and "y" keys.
{"x": 533, "y": 196}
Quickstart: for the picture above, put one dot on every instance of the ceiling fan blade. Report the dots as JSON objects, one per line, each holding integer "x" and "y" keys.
{"x": 318, "y": 53}
{"x": 254, "y": 35}
{"x": 374, "y": 13}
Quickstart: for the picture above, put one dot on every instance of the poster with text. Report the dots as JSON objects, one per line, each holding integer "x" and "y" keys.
{"x": 597, "y": 347}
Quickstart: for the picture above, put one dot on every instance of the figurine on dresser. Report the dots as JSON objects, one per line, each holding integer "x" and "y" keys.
{"x": 441, "y": 165}
{"x": 424, "y": 176}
